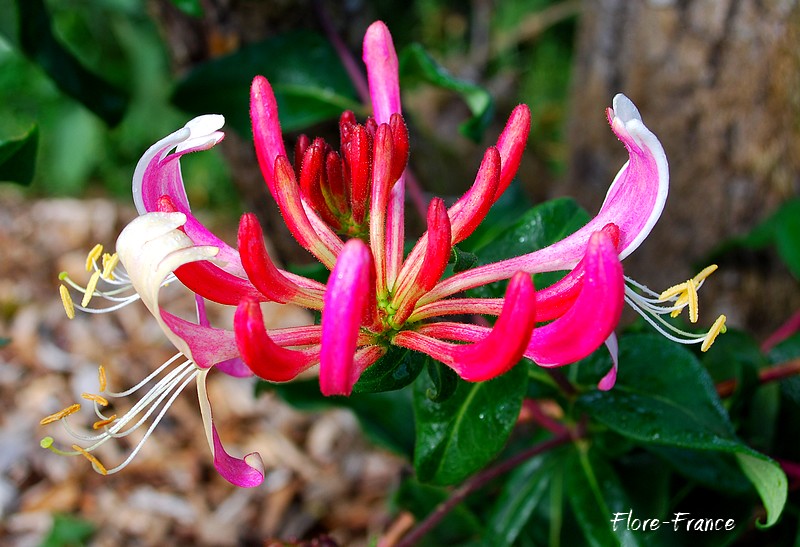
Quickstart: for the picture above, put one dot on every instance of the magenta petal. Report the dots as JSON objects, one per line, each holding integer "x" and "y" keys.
{"x": 382, "y": 72}
{"x": 496, "y": 353}
{"x": 592, "y": 318}
{"x": 267, "y": 135}
{"x": 234, "y": 367}
{"x": 608, "y": 381}
{"x": 244, "y": 473}
{"x": 342, "y": 315}
{"x": 208, "y": 345}
{"x": 262, "y": 355}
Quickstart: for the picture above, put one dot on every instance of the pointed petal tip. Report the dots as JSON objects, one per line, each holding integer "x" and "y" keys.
{"x": 246, "y": 472}
{"x": 624, "y": 109}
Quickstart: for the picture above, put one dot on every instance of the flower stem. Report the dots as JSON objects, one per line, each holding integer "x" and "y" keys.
{"x": 765, "y": 375}
{"x": 479, "y": 480}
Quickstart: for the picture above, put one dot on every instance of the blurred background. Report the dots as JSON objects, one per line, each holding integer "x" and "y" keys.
{"x": 86, "y": 86}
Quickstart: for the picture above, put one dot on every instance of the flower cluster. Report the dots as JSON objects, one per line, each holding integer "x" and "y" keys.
{"x": 346, "y": 208}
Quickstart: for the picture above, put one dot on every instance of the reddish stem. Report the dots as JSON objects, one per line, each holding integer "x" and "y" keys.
{"x": 765, "y": 375}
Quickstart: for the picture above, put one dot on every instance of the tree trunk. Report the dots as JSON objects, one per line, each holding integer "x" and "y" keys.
{"x": 718, "y": 82}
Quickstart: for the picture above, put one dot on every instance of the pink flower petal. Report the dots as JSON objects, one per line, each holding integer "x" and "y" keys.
{"x": 496, "y": 353}
{"x": 634, "y": 203}
{"x": 607, "y": 382}
{"x": 263, "y": 273}
{"x": 592, "y": 318}
{"x": 382, "y": 72}
{"x": 267, "y": 135}
{"x": 511, "y": 145}
{"x": 246, "y": 472}
{"x": 261, "y": 354}
{"x": 342, "y": 316}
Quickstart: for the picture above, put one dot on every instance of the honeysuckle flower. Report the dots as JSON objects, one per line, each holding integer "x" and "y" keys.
{"x": 150, "y": 249}
{"x": 346, "y": 209}
{"x": 376, "y": 297}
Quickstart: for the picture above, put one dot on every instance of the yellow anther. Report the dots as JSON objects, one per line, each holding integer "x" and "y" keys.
{"x": 99, "y": 467}
{"x": 101, "y": 378}
{"x": 72, "y": 409}
{"x": 90, "y": 288}
{"x": 680, "y": 303}
{"x": 109, "y": 263}
{"x": 692, "y": 296}
{"x": 92, "y": 257}
{"x": 705, "y": 272}
{"x": 66, "y": 299}
{"x": 102, "y": 423}
{"x": 102, "y": 401}
{"x": 716, "y": 329}
{"x": 675, "y": 290}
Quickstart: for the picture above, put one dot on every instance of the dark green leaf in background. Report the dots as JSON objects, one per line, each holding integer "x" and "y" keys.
{"x": 417, "y": 65}
{"x": 522, "y": 493}
{"x": 307, "y": 77}
{"x": 665, "y": 397}
{"x": 18, "y": 157}
{"x": 395, "y": 370}
{"x": 37, "y": 40}
{"x": 458, "y": 437}
{"x": 541, "y": 226}
{"x": 595, "y": 494}
{"x": 189, "y": 7}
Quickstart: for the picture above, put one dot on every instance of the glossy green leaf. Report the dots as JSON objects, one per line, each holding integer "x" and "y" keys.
{"x": 524, "y": 489}
{"x": 189, "y": 7}
{"x": 665, "y": 397}
{"x": 18, "y": 157}
{"x": 395, "y": 370}
{"x": 387, "y": 418}
{"x": 458, "y": 437}
{"x": 596, "y": 496}
{"x": 444, "y": 381}
{"x": 417, "y": 65}
{"x": 541, "y": 226}
{"x": 38, "y": 42}
{"x": 309, "y": 82}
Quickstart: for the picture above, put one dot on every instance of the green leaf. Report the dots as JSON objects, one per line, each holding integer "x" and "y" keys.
{"x": 523, "y": 491}
{"x": 38, "y": 42}
{"x": 595, "y": 494}
{"x": 68, "y": 531}
{"x": 309, "y": 82}
{"x": 458, "y": 437}
{"x": 18, "y": 157}
{"x": 417, "y": 65}
{"x": 665, "y": 397}
{"x": 4, "y": 342}
{"x": 541, "y": 226}
{"x": 444, "y": 380}
{"x": 781, "y": 229}
{"x": 395, "y": 370}
{"x": 387, "y": 418}
{"x": 189, "y": 7}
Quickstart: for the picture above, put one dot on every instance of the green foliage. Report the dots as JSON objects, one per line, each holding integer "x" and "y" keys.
{"x": 680, "y": 410}
{"x": 37, "y": 40}
{"x": 68, "y": 531}
{"x": 309, "y": 82}
{"x": 459, "y": 436}
{"x": 18, "y": 157}
{"x": 416, "y": 65}
{"x": 780, "y": 230}
{"x": 189, "y": 7}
